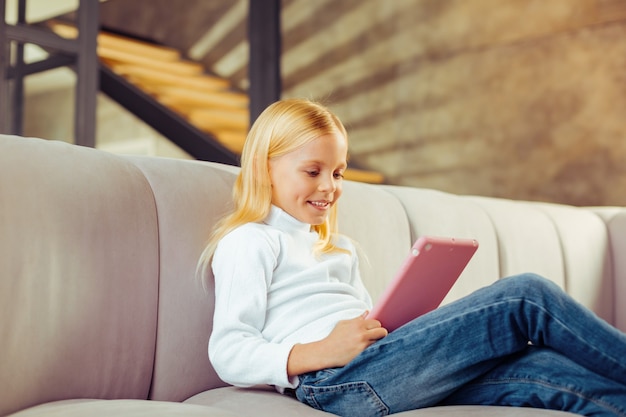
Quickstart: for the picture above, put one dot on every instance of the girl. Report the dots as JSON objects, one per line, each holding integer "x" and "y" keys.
{"x": 290, "y": 307}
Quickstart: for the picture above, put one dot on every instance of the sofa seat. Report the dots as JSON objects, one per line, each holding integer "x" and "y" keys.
{"x": 265, "y": 401}
{"x": 121, "y": 408}
{"x": 239, "y": 403}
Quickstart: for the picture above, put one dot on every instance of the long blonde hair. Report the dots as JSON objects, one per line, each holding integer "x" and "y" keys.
{"x": 281, "y": 128}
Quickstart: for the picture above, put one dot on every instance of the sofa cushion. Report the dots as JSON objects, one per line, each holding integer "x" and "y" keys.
{"x": 234, "y": 402}
{"x": 190, "y": 197}
{"x": 586, "y": 257}
{"x": 78, "y": 294}
{"x": 125, "y": 408}
{"x": 261, "y": 401}
{"x": 378, "y": 224}
{"x": 615, "y": 220}
{"x": 266, "y": 402}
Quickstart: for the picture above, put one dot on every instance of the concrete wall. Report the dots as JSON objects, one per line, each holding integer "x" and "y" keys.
{"x": 513, "y": 98}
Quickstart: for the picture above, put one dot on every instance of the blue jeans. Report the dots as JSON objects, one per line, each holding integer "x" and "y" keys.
{"x": 520, "y": 342}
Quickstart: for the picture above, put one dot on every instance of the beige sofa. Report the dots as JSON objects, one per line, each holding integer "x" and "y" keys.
{"x": 100, "y": 311}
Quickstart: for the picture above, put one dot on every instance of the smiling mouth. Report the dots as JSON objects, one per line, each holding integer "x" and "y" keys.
{"x": 320, "y": 204}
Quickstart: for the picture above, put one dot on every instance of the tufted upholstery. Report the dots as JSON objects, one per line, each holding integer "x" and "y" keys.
{"x": 99, "y": 299}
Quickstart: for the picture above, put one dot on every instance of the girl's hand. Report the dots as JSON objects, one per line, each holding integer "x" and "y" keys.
{"x": 351, "y": 337}
{"x": 344, "y": 343}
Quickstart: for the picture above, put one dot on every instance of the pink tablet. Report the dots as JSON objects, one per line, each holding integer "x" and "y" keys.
{"x": 422, "y": 282}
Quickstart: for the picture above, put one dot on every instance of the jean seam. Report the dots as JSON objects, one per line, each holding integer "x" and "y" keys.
{"x": 311, "y": 391}
{"x": 547, "y": 384}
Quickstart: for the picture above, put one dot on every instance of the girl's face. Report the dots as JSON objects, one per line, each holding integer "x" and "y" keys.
{"x": 307, "y": 182}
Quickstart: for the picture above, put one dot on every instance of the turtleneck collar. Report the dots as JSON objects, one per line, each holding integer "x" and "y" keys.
{"x": 284, "y": 221}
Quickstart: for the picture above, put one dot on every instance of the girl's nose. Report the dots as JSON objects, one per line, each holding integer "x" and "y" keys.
{"x": 327, "y": 184}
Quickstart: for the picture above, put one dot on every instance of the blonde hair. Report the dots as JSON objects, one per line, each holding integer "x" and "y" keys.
{"x": 281, "y": 128}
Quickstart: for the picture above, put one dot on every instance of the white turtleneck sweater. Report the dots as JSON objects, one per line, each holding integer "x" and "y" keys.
{"x": 272, "y": 292}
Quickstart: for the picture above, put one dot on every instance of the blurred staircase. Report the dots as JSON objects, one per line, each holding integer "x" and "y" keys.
{"x": 206, "y": 102}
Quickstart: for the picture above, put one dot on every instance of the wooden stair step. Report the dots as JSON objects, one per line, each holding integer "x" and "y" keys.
{"x": 238, "y": 119}
{"x": 179, "y": 67}
{"x": 114, "y": 48}
{"x": 146, "y": 49}
{"x": 361, "y": 175}
{"x": 120, "y": 43}
{"x": 231, "y": 139}
{"x": 181, "y": 97}
{"x": 145, "y": 75}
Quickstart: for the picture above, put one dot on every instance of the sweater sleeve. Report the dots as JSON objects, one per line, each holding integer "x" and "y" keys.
{"x": 243, "y": 265}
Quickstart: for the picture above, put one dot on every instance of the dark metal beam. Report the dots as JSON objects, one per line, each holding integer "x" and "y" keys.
{"x": 16, "y": 124}
{"x": 80, "y": 52}
{"x": 5, "y": 51}
{"x": 264, "y": 35}
{"x": 31, "y": 34}
{"x": 52, "y": 62}
{"x": 168, "y": 123}
{"x": 87, "y": 74}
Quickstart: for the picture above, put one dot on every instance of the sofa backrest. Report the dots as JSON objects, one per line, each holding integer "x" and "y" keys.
{"x": 78, "y": 275}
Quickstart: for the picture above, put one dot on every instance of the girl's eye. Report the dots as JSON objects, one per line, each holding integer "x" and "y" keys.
{"x": 313, "y": 173}
{"x": 338, "y": 175}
